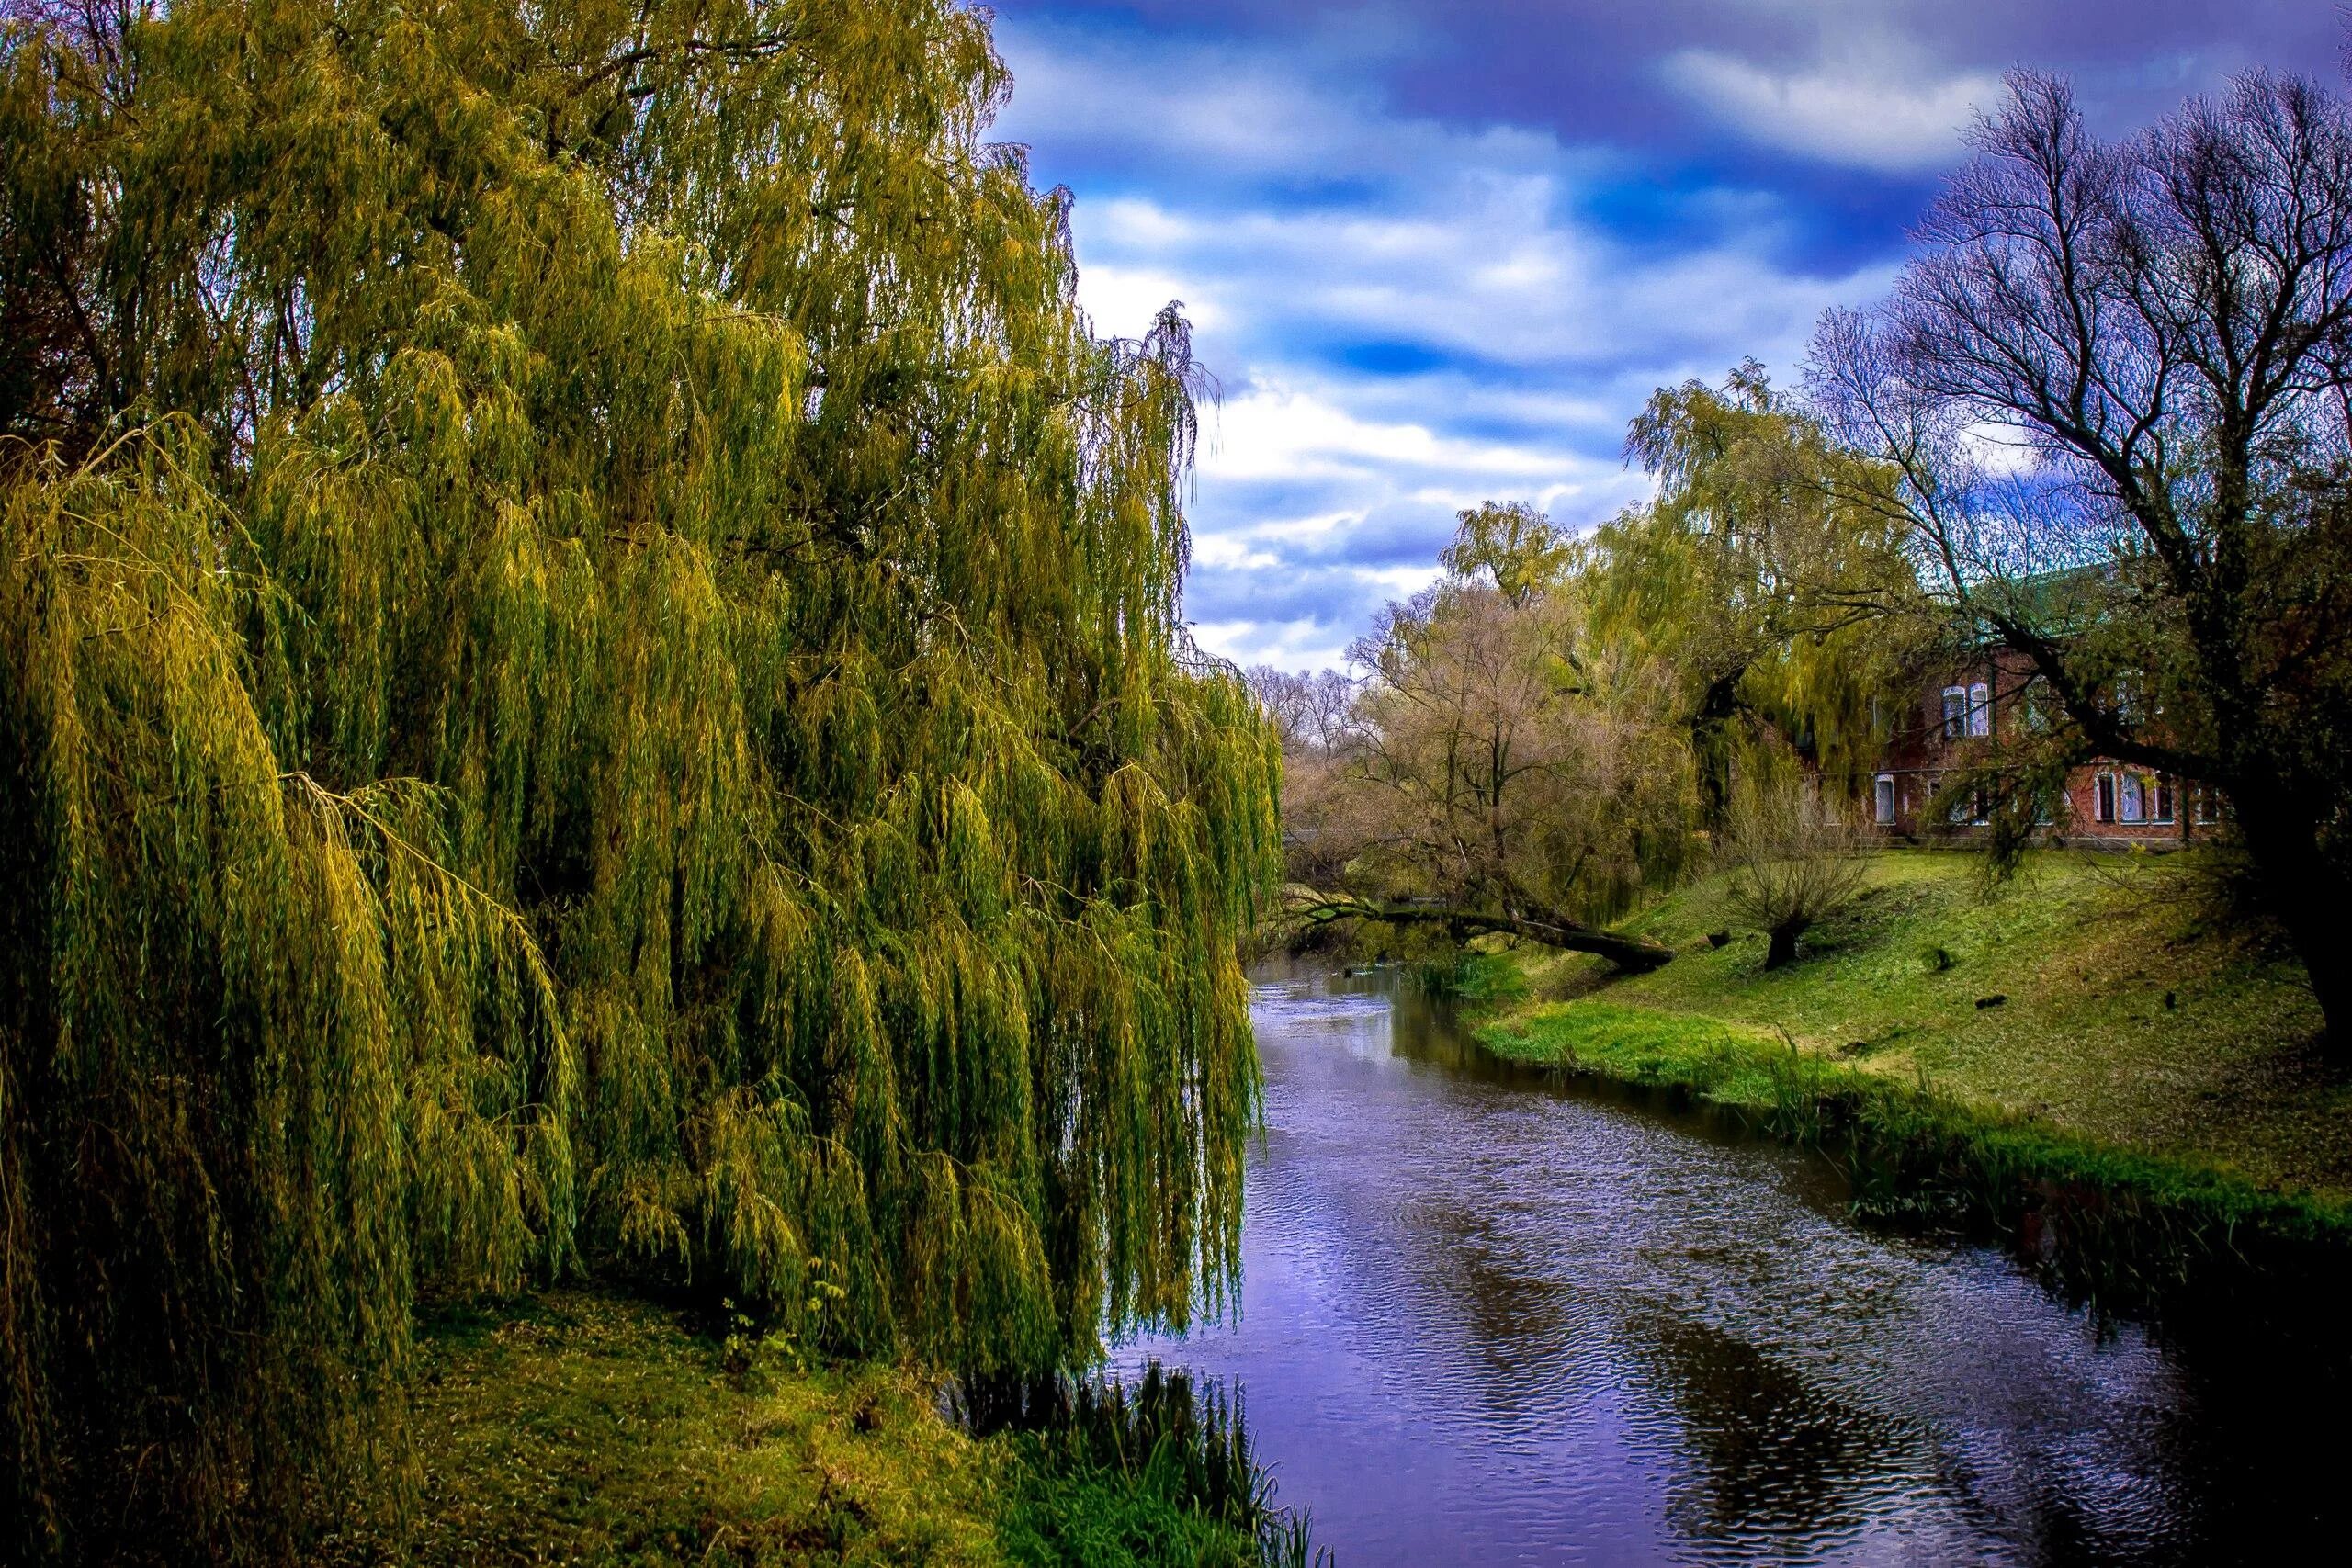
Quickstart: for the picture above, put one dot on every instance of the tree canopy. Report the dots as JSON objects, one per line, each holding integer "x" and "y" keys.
{"x": 2114, "y": 388}
{"x": 1496, "y": 763}
{"x": 1763, "y": 574}
{"x": 589, "y": 676}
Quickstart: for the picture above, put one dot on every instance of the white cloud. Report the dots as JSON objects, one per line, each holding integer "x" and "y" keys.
{"x": 1410, "y": 317}
{"x": 1873, "y": 111}
{"x": 1219, "y": 103}
{"x": 1504, "y": 273}
{"x": 1288, "y": 645}
{"x": 1232, "y": 551}
{"x": 1271, "y": 432}
{"x": 1122, "y": 301}
{"x": 1217, "y": 112}
{"x": 1397, "y": 581}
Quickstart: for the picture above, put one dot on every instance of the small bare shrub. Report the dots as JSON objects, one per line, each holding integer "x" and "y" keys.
{"x": 1791, "y": 861}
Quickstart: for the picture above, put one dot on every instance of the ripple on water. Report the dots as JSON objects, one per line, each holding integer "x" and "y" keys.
{"x": 1485, "y": 1318}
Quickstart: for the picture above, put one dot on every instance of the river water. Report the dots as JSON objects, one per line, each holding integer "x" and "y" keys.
{"x": 1491, "y": 1317}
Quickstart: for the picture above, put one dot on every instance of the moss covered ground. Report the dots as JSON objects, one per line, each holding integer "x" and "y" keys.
{"x": 590, "y": 1428}
{"x": 2094, "y": 999}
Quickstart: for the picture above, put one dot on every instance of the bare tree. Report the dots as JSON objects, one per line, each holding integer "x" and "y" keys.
{"x": 1311, "y": 713}
{"x": 1494, "y": 768}
{"x": 1314, "y": 718}
{"x": 2117, "y": 388}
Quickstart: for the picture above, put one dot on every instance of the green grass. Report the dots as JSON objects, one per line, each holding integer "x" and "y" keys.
{"x": 1104, "y": 1518}
{"x": 1157, "y": 1474}
{"x": 2127, "y": 1024}
{"x": 580, "y": 1426}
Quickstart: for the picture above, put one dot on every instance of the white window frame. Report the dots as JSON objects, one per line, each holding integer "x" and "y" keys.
{"x": 1882, "y": 800}
{"x": 2163, "y": 808}
{"x": 1956, "y": 711}
{"x": 2104, "y": 798}
{"x": 1980, "y": 709}
{"x": 2130, "y": 800}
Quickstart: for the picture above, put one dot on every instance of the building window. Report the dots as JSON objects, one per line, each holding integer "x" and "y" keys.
{"x": 2160, "y": 795}
{"x": 1980, "y": 709}
{"x": 2103, "y": 798}
{"x": 2209, "y": 804}
{"x": 1956, "y": 711}
{"x": 2133, "y": 803}
{"x": 1885, "y": 800}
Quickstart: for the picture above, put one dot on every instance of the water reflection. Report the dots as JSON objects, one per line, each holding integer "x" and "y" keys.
{"x": 1771, "y": 1450}
{"x": 1490, "y": 1318}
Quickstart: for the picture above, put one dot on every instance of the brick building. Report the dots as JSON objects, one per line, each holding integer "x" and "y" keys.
{"x": 1958, "y": 721}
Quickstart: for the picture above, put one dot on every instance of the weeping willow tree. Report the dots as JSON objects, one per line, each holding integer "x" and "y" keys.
{"x": 1766, "y": 573}
{"x": 589, "y": 678}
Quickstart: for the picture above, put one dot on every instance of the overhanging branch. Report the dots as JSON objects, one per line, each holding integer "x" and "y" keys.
{"x": 1305, "y": 909}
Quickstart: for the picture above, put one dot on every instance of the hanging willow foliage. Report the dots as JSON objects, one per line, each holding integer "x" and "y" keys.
{"x": 589, "y": 676}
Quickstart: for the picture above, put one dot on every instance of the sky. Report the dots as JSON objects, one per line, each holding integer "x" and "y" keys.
{"x": 1441, "y": 251}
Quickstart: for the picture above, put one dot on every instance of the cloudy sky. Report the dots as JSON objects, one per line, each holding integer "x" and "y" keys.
{"x": 1440, "y": 251}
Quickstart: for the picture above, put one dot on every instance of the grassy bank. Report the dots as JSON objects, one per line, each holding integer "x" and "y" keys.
{"x": 2079, "y": 1051}
{"x": 584, "y": 1428}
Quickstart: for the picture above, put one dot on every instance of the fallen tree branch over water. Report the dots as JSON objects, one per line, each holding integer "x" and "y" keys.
{"x": 1305, "y": 909}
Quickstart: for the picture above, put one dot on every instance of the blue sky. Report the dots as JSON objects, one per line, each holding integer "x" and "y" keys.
{"x": 1441, "y": 253}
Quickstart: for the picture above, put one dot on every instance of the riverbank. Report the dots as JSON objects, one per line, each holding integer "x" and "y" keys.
{"x": 585, "y": 1426}
{"x": 2083, "y": 1043}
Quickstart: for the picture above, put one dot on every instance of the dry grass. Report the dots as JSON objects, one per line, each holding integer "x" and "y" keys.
{"x": 579, "y": 1428}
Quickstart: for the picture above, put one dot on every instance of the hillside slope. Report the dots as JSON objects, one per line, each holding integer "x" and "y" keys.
{"x": 2124, "y": 1016}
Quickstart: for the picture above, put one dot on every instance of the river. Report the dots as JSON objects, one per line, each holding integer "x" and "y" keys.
{"x": 1487, "y": 1316}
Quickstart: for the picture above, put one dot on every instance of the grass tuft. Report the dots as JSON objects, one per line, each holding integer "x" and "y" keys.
{"x": 1160, "y": 1473}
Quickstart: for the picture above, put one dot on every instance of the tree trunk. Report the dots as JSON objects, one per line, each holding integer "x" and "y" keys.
{"x": 1710, "y": 727}
{"x": 2300, "y": 886}
{"x": 1632, "y": 953}
{"x": 2311, "y": 906}
{"x": 1783, "y": 948}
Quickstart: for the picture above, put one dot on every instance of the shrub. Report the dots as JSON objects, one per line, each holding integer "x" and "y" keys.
{"x": 1792, "y": 861}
